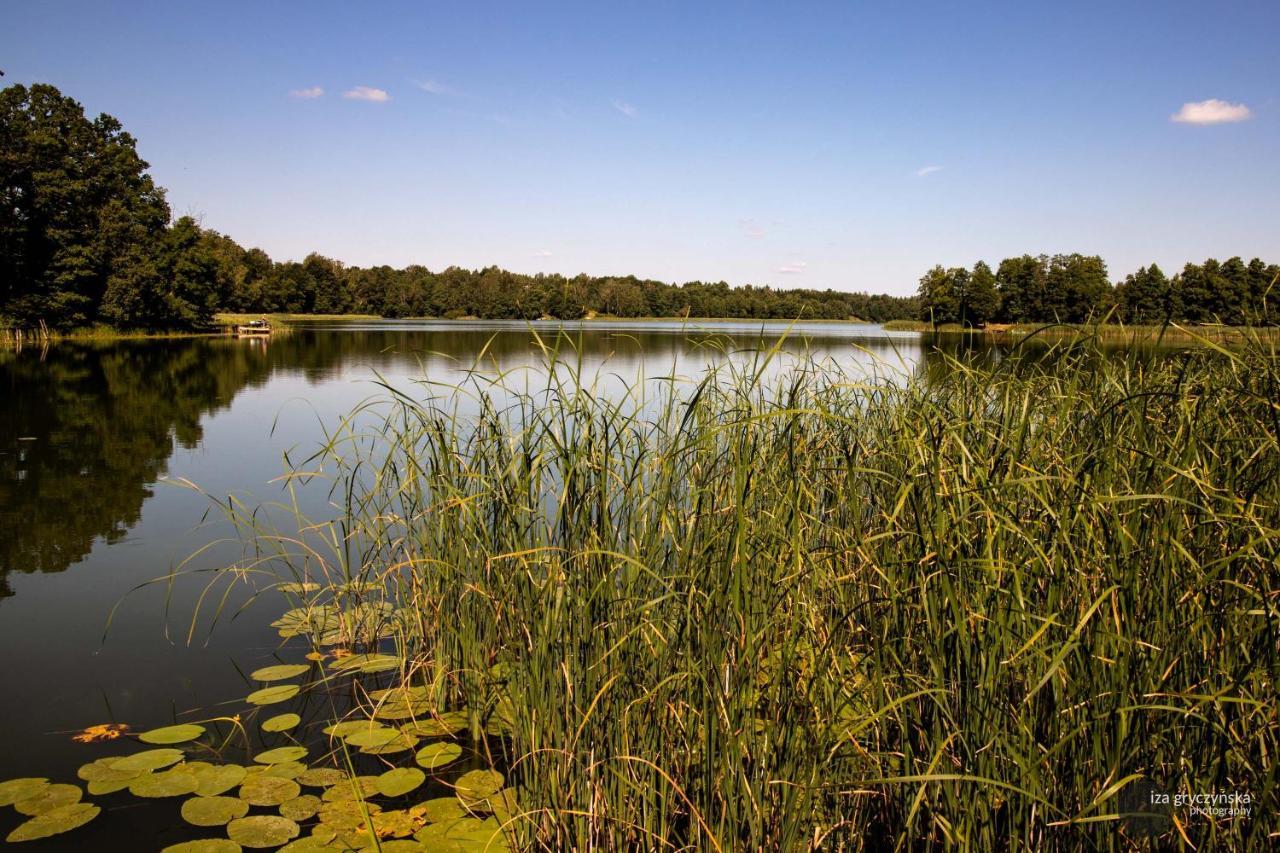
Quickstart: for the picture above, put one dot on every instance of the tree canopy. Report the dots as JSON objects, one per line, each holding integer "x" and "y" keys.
{"x": 1074, "y": 288}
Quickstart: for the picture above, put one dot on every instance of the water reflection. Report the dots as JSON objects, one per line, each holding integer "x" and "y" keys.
{"x": 87, "y": 428}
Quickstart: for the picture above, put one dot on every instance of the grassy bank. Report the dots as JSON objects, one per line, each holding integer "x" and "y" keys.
{"x": 1110, "y": 331}
{"x": 988, "y": 608}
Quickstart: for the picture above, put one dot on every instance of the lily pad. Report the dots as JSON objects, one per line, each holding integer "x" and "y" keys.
{"x": 102, "y": 771}
{"x": 172, "y": 734}
{"x": 311, "y": 844}
{"x": 261, "y": 831}
{"x": 367, "y": 786}
{"x": 435, "y": 755}
{"x": 279, "y": 672}
{"x": 346, "y": 815}
{"x": 476, "y": 785}
{"x": 263, "y": 790}
{"x": 151, "y": 759}
{"x": 177, "y": 782}
{"x": 55, "y": 822}
{"x": 322, "y": 777}
{"x": 394, "y": 824}
{"x": 298, "y": 588}
{"x": 213, "y": 811}
{"x": 49, "y": 798}
{"x": 462, "y": 835}
{"x": 438, "y": 810}
{"x": 103, "y": 787}
{"x": 400, "y": 743}
{"x": 300, "y": 808}
{"x": 20, "y": 789}
{"x": 400, "y": 781}
{"x": 350, "y": 727}
{"x": 218, "y": 780}
{"x": 204, "y": 845}
{"x": 372, "y": 736}
{"x": 281, "y": 723}
{"x": 370, "y": 663}
{"x": 272, "y": 695}
{"x": 286, "y": 769}
{"x": 281, "y": 754}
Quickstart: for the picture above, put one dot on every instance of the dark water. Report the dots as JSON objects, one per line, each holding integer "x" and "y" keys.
{"x": 96, "y": 440}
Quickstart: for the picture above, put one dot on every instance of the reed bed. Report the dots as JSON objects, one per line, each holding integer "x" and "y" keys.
{"x": 992, "y": 606}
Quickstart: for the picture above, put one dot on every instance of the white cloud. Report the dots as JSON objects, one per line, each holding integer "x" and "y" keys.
{"x": 367, "y": 93}
{"x": 927, "y": 170}
{"x": 793, "y": 267}
{"x": 751, "y": 228}
{"x": 628, "y": 110}
{"x": 541, "y": 253}
{"x": 1212, "y": 111}
{"x": 307, "y": 94}
{"x": 435, "y": 87}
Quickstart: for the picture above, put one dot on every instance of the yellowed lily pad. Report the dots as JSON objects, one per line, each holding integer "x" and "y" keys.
{"x": 435, "y": 755}
{"x": 219, "y": 779}
{"x": 300, "y": 808}
{"x": 281, "y": 723}
{"x": 280, "y": 672}
{"x": 20, "y": 789}
{"x": 322, "y": 777}
{"x": 272, "y": 695}
{"x": 204, "y": 845}
{"x": 281, "y": 754}
{"x": 172, "y": 734}
{"x": 213, "y": 811}
{"x": 264, "y": 790}
{"x": 151, "y": 759}
{"x": 438, "y": 810}
{"x": 261, "y": 831}
{"x": 400, "y": 781}
{"x": 49, "y": 798}
{"x": 475, "y": 785}
{"x": 59, "y": 820}
{"x": 177, "y": 782}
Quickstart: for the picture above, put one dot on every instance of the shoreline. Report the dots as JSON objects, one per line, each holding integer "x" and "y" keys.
{"x": 224, "y": 321}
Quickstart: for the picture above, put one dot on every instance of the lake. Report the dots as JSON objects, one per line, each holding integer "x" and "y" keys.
{"x": 98, "y": 438}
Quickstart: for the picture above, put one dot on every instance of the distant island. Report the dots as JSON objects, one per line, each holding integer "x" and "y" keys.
{"x": 87, "y": 239}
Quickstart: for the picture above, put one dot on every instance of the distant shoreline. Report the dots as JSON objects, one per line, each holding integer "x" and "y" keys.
{"x": 223, "y": 323}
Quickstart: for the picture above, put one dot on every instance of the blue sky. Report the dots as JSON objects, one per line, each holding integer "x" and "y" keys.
{"x": 845, "y": 145}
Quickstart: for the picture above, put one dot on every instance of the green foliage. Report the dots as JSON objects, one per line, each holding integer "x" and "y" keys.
{"x": 975, "y": 608}
{"x": 1074, "y": 289}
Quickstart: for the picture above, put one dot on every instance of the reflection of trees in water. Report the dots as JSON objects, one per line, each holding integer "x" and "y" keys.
{"x": 86, "y": 429}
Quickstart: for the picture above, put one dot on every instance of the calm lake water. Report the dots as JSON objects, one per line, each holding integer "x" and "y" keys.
{"x": 93, "y": 437}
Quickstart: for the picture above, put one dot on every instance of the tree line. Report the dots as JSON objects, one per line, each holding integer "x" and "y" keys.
{"x": 86, "y": 238}
{"x": 1075, "y": 288}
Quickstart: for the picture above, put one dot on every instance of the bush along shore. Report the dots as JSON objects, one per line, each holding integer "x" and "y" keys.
{"x": 990, "y": 606}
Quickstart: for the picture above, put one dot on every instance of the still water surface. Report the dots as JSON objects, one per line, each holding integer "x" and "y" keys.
{"x": 95, "y": 436}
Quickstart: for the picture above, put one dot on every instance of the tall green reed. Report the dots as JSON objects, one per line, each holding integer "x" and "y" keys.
{"x": 786, "y": 606}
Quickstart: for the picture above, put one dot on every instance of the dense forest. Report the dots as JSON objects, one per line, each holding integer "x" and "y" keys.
{"x": 86, "y": 238}
{"x": 1075, "y": 289}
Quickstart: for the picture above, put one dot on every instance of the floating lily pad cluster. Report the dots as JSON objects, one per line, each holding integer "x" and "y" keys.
{"x": 279, "y": 800}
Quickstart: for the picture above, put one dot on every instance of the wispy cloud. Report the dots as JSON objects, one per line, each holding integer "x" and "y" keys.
{"x": 923, "y": 171}
{"x": 1212, "y": 111}
{"x": 627, "y": 109}
{"x": 307, "y": 94}
{"x": 793, "y": 267}
{"x": 435, "y": 87}
{"x": 367, "y": 93}
{"x": 541, "y": 253}
{"x": 751, "y": 228}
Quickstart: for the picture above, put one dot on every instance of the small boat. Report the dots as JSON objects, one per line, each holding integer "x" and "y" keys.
{"x": 254, "y": 327}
